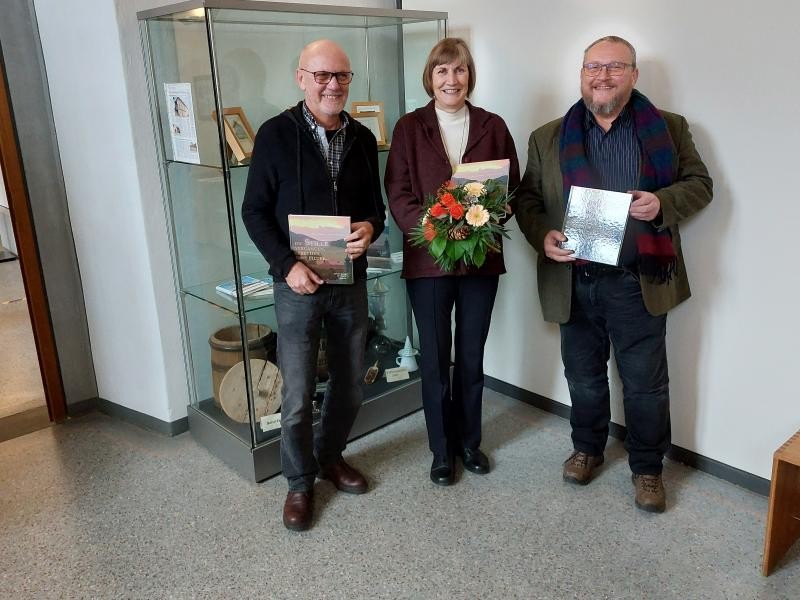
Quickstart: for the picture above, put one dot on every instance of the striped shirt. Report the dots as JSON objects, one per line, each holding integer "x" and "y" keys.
{"x": 332, "y": 148}
{"x": 615, "y": 155}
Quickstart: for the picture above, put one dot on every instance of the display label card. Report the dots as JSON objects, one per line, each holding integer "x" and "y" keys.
{"x": 396, "y": 374}
{"x": 270, "y": 422}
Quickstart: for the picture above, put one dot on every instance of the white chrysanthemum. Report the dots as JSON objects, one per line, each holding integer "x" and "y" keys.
{"x": 477, "y": 216}
{"x": 475, "y": 189}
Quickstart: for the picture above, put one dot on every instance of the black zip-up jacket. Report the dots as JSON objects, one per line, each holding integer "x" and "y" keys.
{"x": 288, "y": 175}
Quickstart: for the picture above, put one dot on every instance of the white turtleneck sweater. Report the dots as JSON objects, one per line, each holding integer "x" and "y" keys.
{"x": 454, "y": 128}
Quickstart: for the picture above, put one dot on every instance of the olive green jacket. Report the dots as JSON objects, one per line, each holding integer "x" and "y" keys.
{"x": 539, "y": 208}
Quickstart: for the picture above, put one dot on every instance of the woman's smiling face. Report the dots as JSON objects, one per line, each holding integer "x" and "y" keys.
{"x": 450, "y": 84}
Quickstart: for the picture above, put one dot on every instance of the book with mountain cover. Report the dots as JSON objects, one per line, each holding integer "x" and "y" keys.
{"x": 319, "y": 242}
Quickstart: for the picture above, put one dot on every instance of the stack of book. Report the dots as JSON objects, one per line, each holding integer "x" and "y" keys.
{"x": 251, "y": 287}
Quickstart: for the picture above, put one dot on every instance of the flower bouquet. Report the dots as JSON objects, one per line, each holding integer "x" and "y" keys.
{"x": 462, "y": 221}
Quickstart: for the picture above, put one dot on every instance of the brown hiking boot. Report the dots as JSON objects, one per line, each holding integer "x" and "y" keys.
{"x": 579, "y": 467}
{"x": 650, "y": 495}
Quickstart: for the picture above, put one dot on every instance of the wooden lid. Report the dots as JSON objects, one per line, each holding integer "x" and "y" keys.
{"x": 267, "y": 386}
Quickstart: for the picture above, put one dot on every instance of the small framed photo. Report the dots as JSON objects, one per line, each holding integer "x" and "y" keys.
{"x": 238, "y": 133}
{"x": 370, "y": 114}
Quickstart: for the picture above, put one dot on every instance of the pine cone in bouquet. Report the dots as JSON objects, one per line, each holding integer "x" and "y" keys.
{"x": 457, "y": 232}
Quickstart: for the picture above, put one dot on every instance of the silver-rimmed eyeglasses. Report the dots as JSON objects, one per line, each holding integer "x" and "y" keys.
{"x": 324, "y": 77}
{"x": 613, "y": 68}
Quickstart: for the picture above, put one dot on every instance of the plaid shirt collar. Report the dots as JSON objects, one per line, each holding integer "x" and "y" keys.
{"x": 332, "y": 149}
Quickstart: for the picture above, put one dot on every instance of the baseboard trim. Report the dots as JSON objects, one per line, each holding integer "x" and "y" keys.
{"x": 23, "y": 423}
{"x": 751, "y": 482}
{"x": 129, "y": 415}
{"x": 78, "y": 409}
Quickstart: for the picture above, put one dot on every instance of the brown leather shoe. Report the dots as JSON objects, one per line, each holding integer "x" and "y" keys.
{"x": 344, "y": 477}
{"x": 579, "y": 467}
{"x": 297, "y": 510}
{"x": 650, "y": 494}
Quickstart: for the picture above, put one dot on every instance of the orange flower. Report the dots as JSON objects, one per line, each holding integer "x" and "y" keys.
{"x": 448, "y": 200}
{"x": 449, "y": 185}
{"x": 430, "y": 231}
{"x": 438, "y": 210}
{"x": 456, "y": 211}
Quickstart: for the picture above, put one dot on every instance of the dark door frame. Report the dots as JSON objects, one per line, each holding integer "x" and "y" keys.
{"x": 28, "y": 253}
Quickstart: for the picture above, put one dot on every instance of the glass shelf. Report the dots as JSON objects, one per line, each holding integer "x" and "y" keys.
{"x": 209, "y": 293}
{"x": 382, "y": 149}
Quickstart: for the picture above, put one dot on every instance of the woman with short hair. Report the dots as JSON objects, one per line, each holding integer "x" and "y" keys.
{"x": 427, "y": 144}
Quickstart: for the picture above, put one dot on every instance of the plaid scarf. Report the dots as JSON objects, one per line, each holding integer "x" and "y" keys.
{"x": 656, "y": 256}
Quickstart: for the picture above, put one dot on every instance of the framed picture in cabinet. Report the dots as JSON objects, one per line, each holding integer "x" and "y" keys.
{"x": 238, "y": 133}
{"x": 370, "y": 114}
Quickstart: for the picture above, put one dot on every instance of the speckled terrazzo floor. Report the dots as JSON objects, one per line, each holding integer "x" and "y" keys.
{"x": 96, "y": 508}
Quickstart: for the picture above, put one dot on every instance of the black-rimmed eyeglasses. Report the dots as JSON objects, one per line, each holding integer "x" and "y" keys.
{"x": 612, "y": 68}
{"x": 323, "y": 77}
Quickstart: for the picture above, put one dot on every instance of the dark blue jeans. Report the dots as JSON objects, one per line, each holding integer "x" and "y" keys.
{"x": 608, "y": 310}
{"x": 343, "y": 311}
{"x": 453, "y": 417}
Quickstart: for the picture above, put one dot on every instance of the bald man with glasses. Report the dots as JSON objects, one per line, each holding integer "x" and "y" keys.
{"x": 315, "y": 159}
{"x": 615, "y": 139}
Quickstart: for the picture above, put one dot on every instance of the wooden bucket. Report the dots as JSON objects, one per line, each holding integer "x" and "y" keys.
{"x": 226, "y": 350}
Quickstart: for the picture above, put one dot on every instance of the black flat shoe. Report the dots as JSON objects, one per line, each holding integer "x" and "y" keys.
{"x": 475, "y": 461}
{"x": 442, "y": 470}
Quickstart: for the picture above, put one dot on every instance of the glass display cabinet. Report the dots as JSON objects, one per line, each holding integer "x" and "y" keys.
{"x": 216, "y": 71}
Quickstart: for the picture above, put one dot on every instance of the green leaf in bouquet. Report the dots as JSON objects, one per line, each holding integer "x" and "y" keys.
{"x": 444, "y": 262}
{"x": 456, "y": 250}
{"x": 438, "y": 246}
{"x": 451, "y": 252}
{"x": 479, "y": 256}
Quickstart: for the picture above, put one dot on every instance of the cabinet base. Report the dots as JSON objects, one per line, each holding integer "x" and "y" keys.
{"x": 264, "y": 461}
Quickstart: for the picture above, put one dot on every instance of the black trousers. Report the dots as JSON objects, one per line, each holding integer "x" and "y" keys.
{"x": 343, "y": 310}
{"x": 608, "y": 311}
{"x": 452, "y": 414}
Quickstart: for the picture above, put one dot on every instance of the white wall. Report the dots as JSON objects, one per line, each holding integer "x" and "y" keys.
{"x": 83, "y": 58}
{"x": 733, "y": 346}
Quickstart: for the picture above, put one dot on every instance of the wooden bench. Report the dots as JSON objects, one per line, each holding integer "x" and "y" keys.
{"x": 783, "y": 518}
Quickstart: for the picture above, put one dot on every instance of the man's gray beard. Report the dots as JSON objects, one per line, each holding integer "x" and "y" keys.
{"x": 604, "y": 110}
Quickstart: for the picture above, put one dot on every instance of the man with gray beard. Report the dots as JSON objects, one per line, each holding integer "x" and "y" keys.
{"x": 614, "y": 139}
